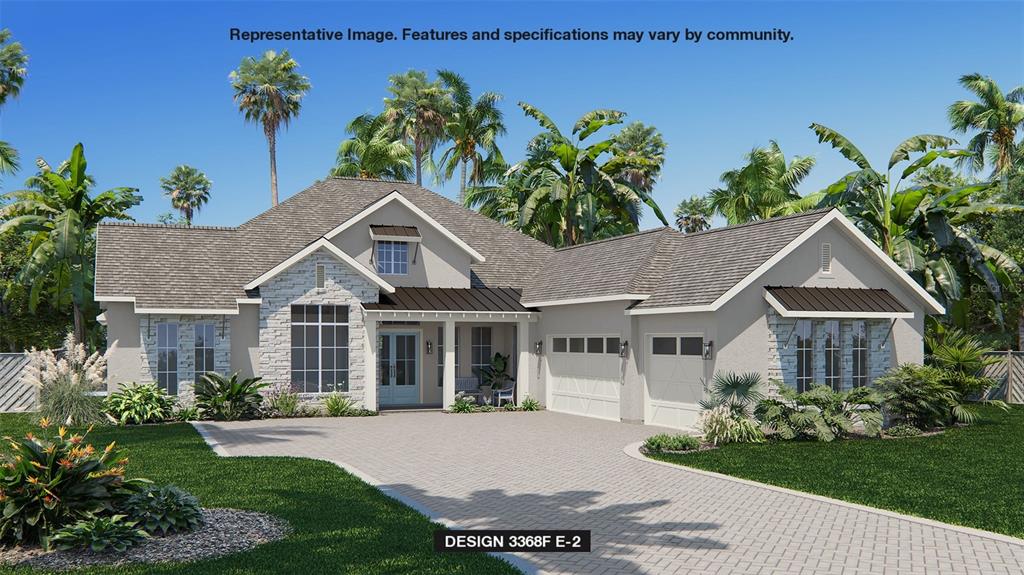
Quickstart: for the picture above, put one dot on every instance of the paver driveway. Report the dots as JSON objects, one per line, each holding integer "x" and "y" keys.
{"x": 548, "y": 470}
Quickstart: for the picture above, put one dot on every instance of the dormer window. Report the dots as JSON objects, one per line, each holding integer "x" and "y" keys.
{"x": 392, "y": 257}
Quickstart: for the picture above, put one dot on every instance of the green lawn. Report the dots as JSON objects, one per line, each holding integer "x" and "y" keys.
{"x": 340, "y": 524}
{"x": 971, "y": 476}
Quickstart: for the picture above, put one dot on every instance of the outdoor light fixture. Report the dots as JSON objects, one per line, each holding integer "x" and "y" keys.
{"x": 538, "y": 347}
{"x": 624, "y": 349}
{"x": 707, "y": 349}
{"x": 430, "y": 347}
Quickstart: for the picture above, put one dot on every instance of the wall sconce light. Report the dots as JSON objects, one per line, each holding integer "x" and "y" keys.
{"x": 708, "y": 346}
{"x": 430, "y": 347}
{"x": 538, "y": 347}
{"x": 624, "y": 349}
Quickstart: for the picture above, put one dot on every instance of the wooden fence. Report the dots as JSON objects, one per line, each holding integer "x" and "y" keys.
{"x": 1009, "y": 372}
{"x": 15, "y": 395}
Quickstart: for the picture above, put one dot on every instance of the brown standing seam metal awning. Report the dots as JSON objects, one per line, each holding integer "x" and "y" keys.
{"x": 394, "y": 231}
{"x": 450, "y": 299}
{"x": 835, "y": 302}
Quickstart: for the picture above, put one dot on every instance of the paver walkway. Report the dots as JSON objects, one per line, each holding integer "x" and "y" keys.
{"x": 555, "y": 471}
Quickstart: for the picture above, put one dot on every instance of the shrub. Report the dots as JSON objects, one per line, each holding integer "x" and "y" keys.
{"x": 962, "y": 357}
{"x": 226, "y": 398}
{"x": 139, "y": 403}
{"x": 100, "y": 534}
{"x": 281, "y": 401}
{"x": 821, "y": 413}
{"x": 49, "y": 483}
{"x": 65, "y": 384}
{"x": 338, "y": 405}
{"x": 462, "y": 404}
{"x": 741, "y": 392}
{"x": 665, "y": 442}
{"x": 189, "y": 413}
{"x": 510, "y": 407}
{"x": 486, "y": 408}
{"x": 903, "y": 430}
{"x": 163, "y": 510}
{"x": 721, "y": 425}
{"x": 919, "y": 395}
{"x": 529, "y": 404}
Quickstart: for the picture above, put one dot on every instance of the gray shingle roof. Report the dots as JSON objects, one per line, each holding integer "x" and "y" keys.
{"x": 672, "y": 268}
{"x": 200, "y": 267}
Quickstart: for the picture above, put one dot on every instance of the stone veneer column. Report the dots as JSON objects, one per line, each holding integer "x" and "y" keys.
{"x": 297, "y": 285}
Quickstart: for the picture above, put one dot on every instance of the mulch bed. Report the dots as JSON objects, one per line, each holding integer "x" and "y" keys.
{"x": 224, "y": 531}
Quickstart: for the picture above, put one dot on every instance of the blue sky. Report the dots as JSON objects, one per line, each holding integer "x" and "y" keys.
{"x": 145, "y": 85}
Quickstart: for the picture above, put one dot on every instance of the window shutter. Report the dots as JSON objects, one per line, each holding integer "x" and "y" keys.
{"x": 826, "y": 258}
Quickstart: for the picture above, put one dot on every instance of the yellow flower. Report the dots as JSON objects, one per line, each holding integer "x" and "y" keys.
{"x": 44, "y": 422}
{"x": 75, "y": 439}
{"x": 110, "y": 447}
{"x": 62, "y": 431}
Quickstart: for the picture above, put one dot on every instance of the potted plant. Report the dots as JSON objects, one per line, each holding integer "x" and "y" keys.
{"x": 494, "y": 377}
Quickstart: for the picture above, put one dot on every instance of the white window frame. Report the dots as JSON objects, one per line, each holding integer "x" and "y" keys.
{"x": 200, "y": 352}
{"x": 475, "y": 346}
{"x": 832, "y": 344}
{"x": 860, "y": 354}
{"x": 804, "y": 331}
{"x": 167, "y": 334}
{"x": 320, "y": 324}
{"x": 440, "y": 354}
{"x": 392, "y": 258}
{"x": 586, "y": 343}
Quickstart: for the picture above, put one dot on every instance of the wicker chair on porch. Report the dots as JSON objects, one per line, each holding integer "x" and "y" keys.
{"x": 507, "y": 393}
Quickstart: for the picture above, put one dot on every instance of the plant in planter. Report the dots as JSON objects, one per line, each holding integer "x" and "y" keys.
{"x": 494, "y": 376}
{"x": 137, "y": 403}
{"x": 228, "y": 399}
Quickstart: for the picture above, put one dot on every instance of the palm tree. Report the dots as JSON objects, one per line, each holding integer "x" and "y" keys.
{"x": 473, "y": 128}
{"x": 269, "y": 92}
{"x": 925, "y": 228}
{"x": 12, "y": 67}
{"x": 765, "y": 187}
{"x": 693, "y": 215}
{"x": 373, "y": 151}
{"x": 996, "y": 118}
{"x": 418, "y": 110}
{"x": 638, "y": 140}
{"x": 9, "y": 163}
{"x": 61, "y": 216}
{"x": 188, "y": 189}
{"x": 572, "y": 190}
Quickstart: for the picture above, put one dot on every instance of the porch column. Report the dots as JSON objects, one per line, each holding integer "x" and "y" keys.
{"x": 448, "y": 391}
{"x": 370, "y": 368}
{"x": 523, "y": 363}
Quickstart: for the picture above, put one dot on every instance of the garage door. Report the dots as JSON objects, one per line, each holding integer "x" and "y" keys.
{"x": 675, "y": 379}
{"x": 585, "y": 375}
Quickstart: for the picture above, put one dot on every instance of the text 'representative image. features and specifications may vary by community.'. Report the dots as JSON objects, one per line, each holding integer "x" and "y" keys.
{"x": 547, "y": 34}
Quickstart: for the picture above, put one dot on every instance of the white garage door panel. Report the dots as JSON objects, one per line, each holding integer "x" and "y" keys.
{"x": 675, "y": 385}
{"x": 574, "y": 389}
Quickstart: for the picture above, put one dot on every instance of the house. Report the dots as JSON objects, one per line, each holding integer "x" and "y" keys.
{"x": 396, "y": 296}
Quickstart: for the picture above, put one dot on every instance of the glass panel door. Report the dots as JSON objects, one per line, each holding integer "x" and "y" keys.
{"x": 398, "y": 373}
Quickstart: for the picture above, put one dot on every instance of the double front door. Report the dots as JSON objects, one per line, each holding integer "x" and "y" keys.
{"x": 398, "y": 372}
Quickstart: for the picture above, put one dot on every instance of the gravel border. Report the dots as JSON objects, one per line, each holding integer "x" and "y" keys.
{"x": 224, "y": 531}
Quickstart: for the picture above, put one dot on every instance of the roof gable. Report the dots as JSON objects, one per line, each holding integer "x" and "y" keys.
{"x": 324, "y": 244}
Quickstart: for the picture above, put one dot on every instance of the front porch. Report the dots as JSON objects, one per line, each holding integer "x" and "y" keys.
{"x": 409, "y": 356}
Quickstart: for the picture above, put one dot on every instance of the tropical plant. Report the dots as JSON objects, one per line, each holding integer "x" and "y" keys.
{"x": 963, "y": 358}
{"x": 721, "y": 425}
{"x": 903, "y": 430}
{"x": 137, "y": 403}
{"x": 373, "y": 151}
{"x": 48, "y": 483}
{"x": 418, "y": 110}
{"x": 645, "y": 143}
{"x": 473, "y": 128}
{"x": 269, "y": 92}
{"x": 100, "y": 533}
{"x": 496, "y": 374}
{"x": 665, "y": 442}
{"x": 188, "y": 189}
{"x": 510, "y": 406}
{"x": 338, "y": 405}
{"x": 739, "y": 392}
{"x": 529, "y": 404}
{"x": 163, "y": 510}
{"x": 66, "y": 380}
{"x": 228, "y": 399}
{"x": 13, "y": 69}
{"x": 763, "y": 188}
{"x": 925, "y": 228}
{"x": 693, "y": 215}
{"x": 9, "y": 161}
{"x": 187, "y": 413}
{"x": 996, "y": 118}
{"x": 61, "y": 216}
{"x": 821, "y": 412}
{"x": 20, "y": 327}
{"x": 573, "y": 196}
{"x": 463, "y": 404}
{"x": 919, "y": 395}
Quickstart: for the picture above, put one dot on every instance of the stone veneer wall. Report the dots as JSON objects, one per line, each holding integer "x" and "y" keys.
{"x": 782, "y": 359}
{"x": 186, "y": 346}
{"x": 297, "y": 285}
